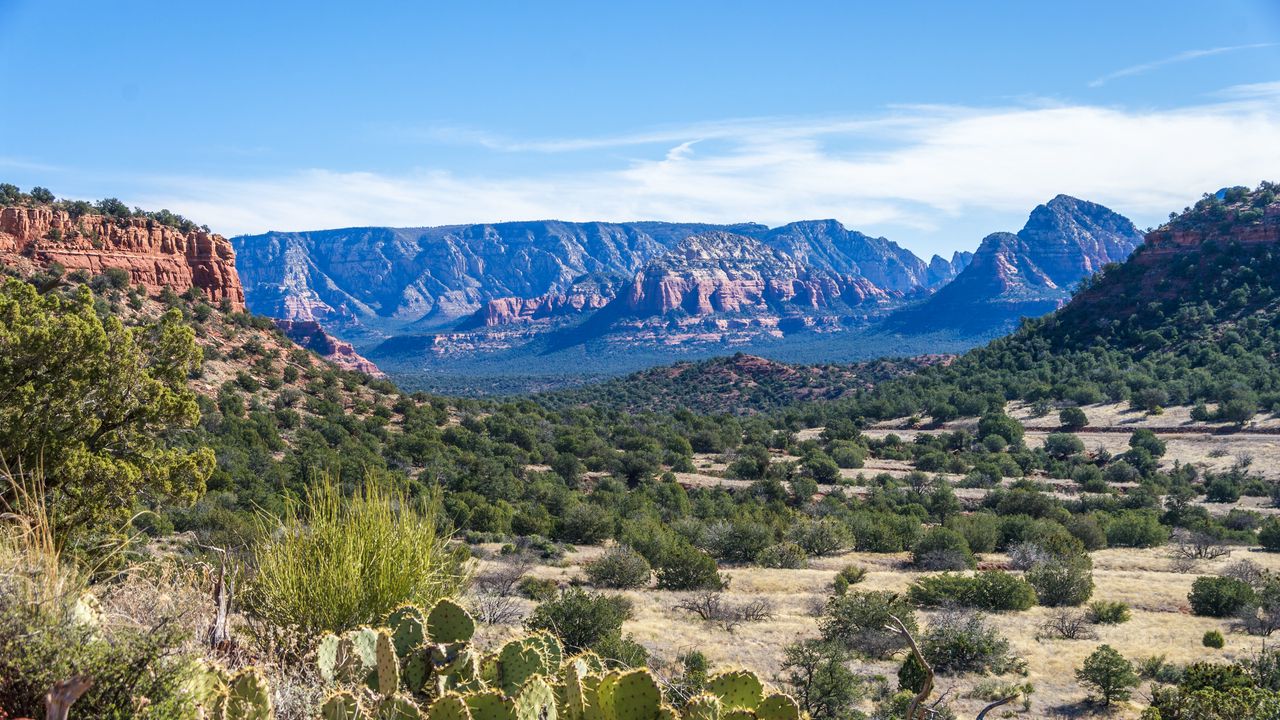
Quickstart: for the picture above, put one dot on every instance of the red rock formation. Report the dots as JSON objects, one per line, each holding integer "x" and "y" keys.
{"x": 507, "y": 310}
{"x": 310, "y": 335}
{"x": 156, "y": 256}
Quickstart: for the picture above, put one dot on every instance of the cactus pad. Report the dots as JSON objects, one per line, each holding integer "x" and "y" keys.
{"x": 703, "y": 707}
{"x": 450, "y": 706}
{"x": 448, "y": 622}
{"x": 388, "y": 665}
{"x": 739, "y": 714}
{"x": 536, "y": 701}
{"x": 738, "y": 689}
{"x": 518, "y": 661}
{"x": 490, "y": 705}
{"x": 340, "y": 706}
{"x": 550, "y": 647}
{"x": 408, "y": 629}
{"x": 416, "y": 671}
{"x": 778, "y": 707}
{"x": 636, "y": 697}
{"x": 248, "y": 697}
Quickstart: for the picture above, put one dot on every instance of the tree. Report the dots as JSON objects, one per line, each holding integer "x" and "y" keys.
{"x": 1063, "y": 445}
{"x": 620, "y": 567}
{"x": 820, "y": 679}
{"x": 1269, "y": 534}
{"x": 1062, "y": 580}
{"x": 1219, "y": 596}
{"x": 942, "y": 549}
{"x": 858, "y": 621}
{"x": 41, "y": 195}
{"x": 685, "y": 567}
{"x": 1073, "y": 418}
{"x": 1108, "y": 673}
{"x": 87, "y": 400}
{"x": 581, "y": 619}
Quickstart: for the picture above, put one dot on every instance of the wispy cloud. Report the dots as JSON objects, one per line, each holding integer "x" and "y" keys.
{"x": 1173, "y": 59}
{"x": 923, "y": 168}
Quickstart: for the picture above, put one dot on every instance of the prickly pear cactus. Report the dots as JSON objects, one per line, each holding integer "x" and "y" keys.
{"x": 450, "y": 706}
{"x": 448, "y": 622}
{"x": 415, "y": 671}
{"x": 739, "y": 714}
{"x": 703, "y": 707}
{"x": 491, "y": 705}
{"x": 397, "y": 707}
{"x": 738, "y": 689}
{"x": 248, "y": 697}
{"x": 408, "y": 629}
{"x": 518, "y": 661}
{"x": 341, "y": 706}
{"x": 778, "y": 707}
{"x": 636, "y": 697}
{"x": 550, "y": 647}
{"x": 536, "y": 701}
{"x": 387, "y": 665}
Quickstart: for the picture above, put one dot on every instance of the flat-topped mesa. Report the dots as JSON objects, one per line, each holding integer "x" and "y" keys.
{"x": 155, "y": 255}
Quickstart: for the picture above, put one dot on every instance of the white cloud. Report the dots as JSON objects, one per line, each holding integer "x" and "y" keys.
{"x": 910, "y": 172}
{"x": 1173, "y": 59}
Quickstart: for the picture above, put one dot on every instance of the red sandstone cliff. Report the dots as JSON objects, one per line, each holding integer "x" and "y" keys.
{"x": 157, "y": 256}
{"x": 310, "y": 335}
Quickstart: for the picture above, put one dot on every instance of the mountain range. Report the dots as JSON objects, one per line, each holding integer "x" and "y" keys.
{"x": 437, "y": 299}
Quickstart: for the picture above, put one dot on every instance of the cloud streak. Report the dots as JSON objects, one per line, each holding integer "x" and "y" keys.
{"x": 1172, "y": 60}
{"x": 914, "y": 173}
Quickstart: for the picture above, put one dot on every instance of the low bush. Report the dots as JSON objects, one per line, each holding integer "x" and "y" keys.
{"x": 1213, "y": 639}
{"x": 537, "y": 589}
{"x": 942, "y": 549}
{"x": 992, "y": 590}
{"x": 848, "y": 575}
{"x": 685, "y": 567}
{"x": 1062, "y": 581}
{"x": 1219, "y": 596}
{"x": 959, "y": 641}
{"x": 619, "y": 567}
{"x": 581, "y": 619}
{"x": 785, "y": 555}
{"x": 858, "y": 622}
{"x": 1106, "y": 612}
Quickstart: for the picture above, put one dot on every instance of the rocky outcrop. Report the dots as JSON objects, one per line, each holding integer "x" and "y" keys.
{"x": 584, "y": 297}
{"x": 1025, "y": 274}
{"x": 310, "y": 335}
{"x": 720, "y": 272}
{"x": 156, "y": 256}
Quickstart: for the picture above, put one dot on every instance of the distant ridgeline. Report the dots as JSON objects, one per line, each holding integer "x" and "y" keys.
{"x": 1192, "y": 316}
{"x": 538, "y": 297}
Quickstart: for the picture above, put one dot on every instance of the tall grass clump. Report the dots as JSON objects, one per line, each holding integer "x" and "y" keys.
{"x": 52, "y": 628}
{"x": 332, "y": 562}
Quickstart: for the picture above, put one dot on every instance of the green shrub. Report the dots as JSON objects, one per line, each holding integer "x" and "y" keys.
{"x": 737, "y": 540}
{"x": 784, "y": 555}
{"x": 1072, "y": 418}
{"x": 848, "y": 575}
{"x": 1137, "y": 529}
{"x": 822, "y": 537}
{"x": 1219, "y": 596}
{"x": 1106, "y": 612}
{"x": 1269, "y": 534}
{"x": 942, "y": 549}
{"x": 992, "y": 590}
{"x": 1062, "y": 580}
{"x": 685, "y": 567}
{"x": 858, "y": 620}
{"x": 961, "y": 641}
{"x": 1213, "y": 639}
{"x": 582, "y": 620}
{"x": 619, "y": 567}
{"x": 1108, "y": 673}
{"x": 331, "y": 562}
{"x": 537, "y": 589}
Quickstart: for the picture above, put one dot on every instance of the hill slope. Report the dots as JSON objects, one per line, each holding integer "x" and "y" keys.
{"x": 1027, "y": 274}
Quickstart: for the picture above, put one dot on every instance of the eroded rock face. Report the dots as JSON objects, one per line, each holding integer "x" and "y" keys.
{"x": 156, "y": 256}
{"x": 1026, "y": 274}
{"x": 310, "y": 335}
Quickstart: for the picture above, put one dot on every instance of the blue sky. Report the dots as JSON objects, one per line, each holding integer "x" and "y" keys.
{"x": 931, "y": 123}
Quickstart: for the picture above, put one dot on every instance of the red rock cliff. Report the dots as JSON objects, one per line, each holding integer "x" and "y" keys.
{"x": 156, "y": 256}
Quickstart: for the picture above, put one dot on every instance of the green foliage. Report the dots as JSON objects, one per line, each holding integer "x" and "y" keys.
{"x": 1108, "y": 674}
{"x": 942, "y": 548}
{"x": 782, "y": 555}
{"x": 1072, "y": 418}
{"x": 1065, "y": 580}
{"x": 1213, "y": 639}
{"x": 960, "y": 641}
{"x": 818, "y": 673}
{"x": 858, "y": 622}
{"x": 332, "y": 562}
{"x": 991, "y": 590}
{"x": 581, "y": 619}
{"x": 848, "y": 575}
{"x": 685, "y": 567}
{"x": 821, "y": 537}
{"x": 1219, "y": 596}
{"x": 619, "y": 567}
{"x": 87, "y": 400}
{"x": 1269, "y": 534}
{"x": 1108, "y": 612}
